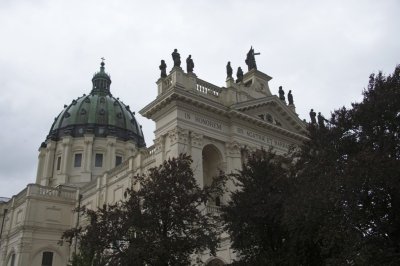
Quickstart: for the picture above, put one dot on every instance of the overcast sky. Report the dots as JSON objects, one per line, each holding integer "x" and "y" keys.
{"x": 324, "y": 51}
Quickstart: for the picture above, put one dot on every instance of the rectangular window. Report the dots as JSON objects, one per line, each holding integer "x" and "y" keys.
{"x": 118, "y": 160}
{"x": 98, "y": 162}
{"x": 78, "y": 160}
{"x": 58, "y": 163}
{"x": 47, "y": 258}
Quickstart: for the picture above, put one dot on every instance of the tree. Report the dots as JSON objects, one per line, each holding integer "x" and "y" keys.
{"x": 345, "y": 209}
{"x": 254, "y": 213}
{"x": 161, "y": 223}
{"x": 338, "y": 202}
{"x": 372, "y": 184}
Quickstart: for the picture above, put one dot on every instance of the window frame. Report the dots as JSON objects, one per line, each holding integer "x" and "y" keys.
{"x": 96, "y": 160}
{"x": 77, "y": 155}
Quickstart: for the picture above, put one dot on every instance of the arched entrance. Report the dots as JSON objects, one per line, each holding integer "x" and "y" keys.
{"x": 212, "y": 162}
{"x": 215, "y": 262}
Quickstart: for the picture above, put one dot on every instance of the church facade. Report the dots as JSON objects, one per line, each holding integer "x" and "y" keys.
{"x": 95, "y": 147}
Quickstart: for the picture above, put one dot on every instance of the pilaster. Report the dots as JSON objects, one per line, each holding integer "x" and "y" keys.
{"x": 130, "y": 149}
{"x": 88, "y": 140}
{"x": 234, "y": 163}
{"x": 196, "y": 141}
{"x": 41, "y": 161}
{"x": 110, "y": 161}
{"x": 65, "y": 160}
{"x": 159, "y": 149}
{"x": 48, "y": 167}
{"x": 178, "y": 141}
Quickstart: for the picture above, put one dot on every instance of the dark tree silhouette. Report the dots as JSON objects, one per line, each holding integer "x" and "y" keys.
{"x": 162, "y": 223}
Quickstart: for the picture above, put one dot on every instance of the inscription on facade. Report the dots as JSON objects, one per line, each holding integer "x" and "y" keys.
{"x": 203, "y": 121}
{"x": 267, "y": 140}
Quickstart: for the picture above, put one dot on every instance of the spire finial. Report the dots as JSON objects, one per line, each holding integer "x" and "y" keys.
{"x": 102, "y": 64}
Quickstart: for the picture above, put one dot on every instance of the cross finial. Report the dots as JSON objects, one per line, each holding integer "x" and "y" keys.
{"x": 102, "y": 64}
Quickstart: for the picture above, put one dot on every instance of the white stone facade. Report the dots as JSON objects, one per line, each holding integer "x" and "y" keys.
{"x": 213, "y": 124}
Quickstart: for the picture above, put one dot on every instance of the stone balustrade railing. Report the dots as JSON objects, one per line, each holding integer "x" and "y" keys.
{"x": 118, "y": 169}
{"x": 149, "y": 155}
{"x": 212, "y": 209}
{"x": 207, "y": 88}
{"x": 62, "y": 192}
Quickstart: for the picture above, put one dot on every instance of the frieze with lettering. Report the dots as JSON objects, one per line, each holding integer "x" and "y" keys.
{"x": 203, "y": 121}
{"x": 267, "y": 140}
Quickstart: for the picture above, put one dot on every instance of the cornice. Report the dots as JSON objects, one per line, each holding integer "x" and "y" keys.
{"x": 236, "y": 110}
{"x": 173, "y": 94}
{"x": 271, "y": 100}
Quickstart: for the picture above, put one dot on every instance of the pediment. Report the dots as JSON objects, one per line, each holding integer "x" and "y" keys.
{"x": 272, "y": 110}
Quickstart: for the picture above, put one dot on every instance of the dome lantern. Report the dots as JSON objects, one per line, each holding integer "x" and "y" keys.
{"x": 101, "y": 81}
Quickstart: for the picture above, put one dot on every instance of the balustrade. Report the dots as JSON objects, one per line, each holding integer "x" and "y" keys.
{"x": 207, "y": 88}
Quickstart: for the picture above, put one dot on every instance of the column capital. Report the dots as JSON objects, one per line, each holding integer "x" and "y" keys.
{"x": 178, "y": 134}
{"x": 111, "y": 141}
{"x": 66, "y": 140}
{"x": 196, "y": 140}
{"x": 233, "y": 148}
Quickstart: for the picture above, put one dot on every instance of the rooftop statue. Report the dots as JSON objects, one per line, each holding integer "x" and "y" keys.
{"x": 177, "y": 58}
{"x": 290, "y": 97}
{"x": 163, "y": 68}
{"x": 229, "y": 70}
{"x": 312, "y": 116}
{"x": 250, "y": 59}
{"x": 281, "y": 94}
{"x": 321, "y": 120}
{"x": 239, "y": 75}
{"x": 189, "y": 64}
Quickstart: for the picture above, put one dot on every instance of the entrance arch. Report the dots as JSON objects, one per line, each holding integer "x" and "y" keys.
{"x": 212, "y": 162}
{"x": 215, "y": 262}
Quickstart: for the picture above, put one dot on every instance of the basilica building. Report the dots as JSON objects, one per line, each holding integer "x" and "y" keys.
{"x": 95, "y": 147}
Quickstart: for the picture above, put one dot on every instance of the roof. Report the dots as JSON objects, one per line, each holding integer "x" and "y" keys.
{"x": 98, "y": 113}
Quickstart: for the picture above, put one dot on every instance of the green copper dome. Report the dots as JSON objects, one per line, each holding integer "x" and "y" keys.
{"x": 98, "y": 113}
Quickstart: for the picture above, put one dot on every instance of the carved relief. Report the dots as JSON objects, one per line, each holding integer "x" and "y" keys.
{"x": 259, "y": 85}
{"x": 159, "y": 144}
{"x": 196, "y": 140}
{"x": 178, "y": 135}
{"x": 233, "y": 147}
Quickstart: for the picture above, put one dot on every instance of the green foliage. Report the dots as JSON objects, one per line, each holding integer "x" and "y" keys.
{"x": 341, "y": 202}
{"x": 254, "y": 213}
{"x": 161, "y": 223}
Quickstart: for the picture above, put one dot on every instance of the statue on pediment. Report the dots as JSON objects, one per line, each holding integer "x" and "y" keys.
{"x": 163, "y": 68}
{"x": 189, "y": 64}
{"x": 290, "y": 97}
{"x": 177, "y": 58}
{"x": 281, "y": 94}
{"x": 239, "y": 75}
{"x": 313, "y": 116}
{"x": 229, "y": 70}
{"x": 321, "y": 120}
{"x": 251, "y": 60}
